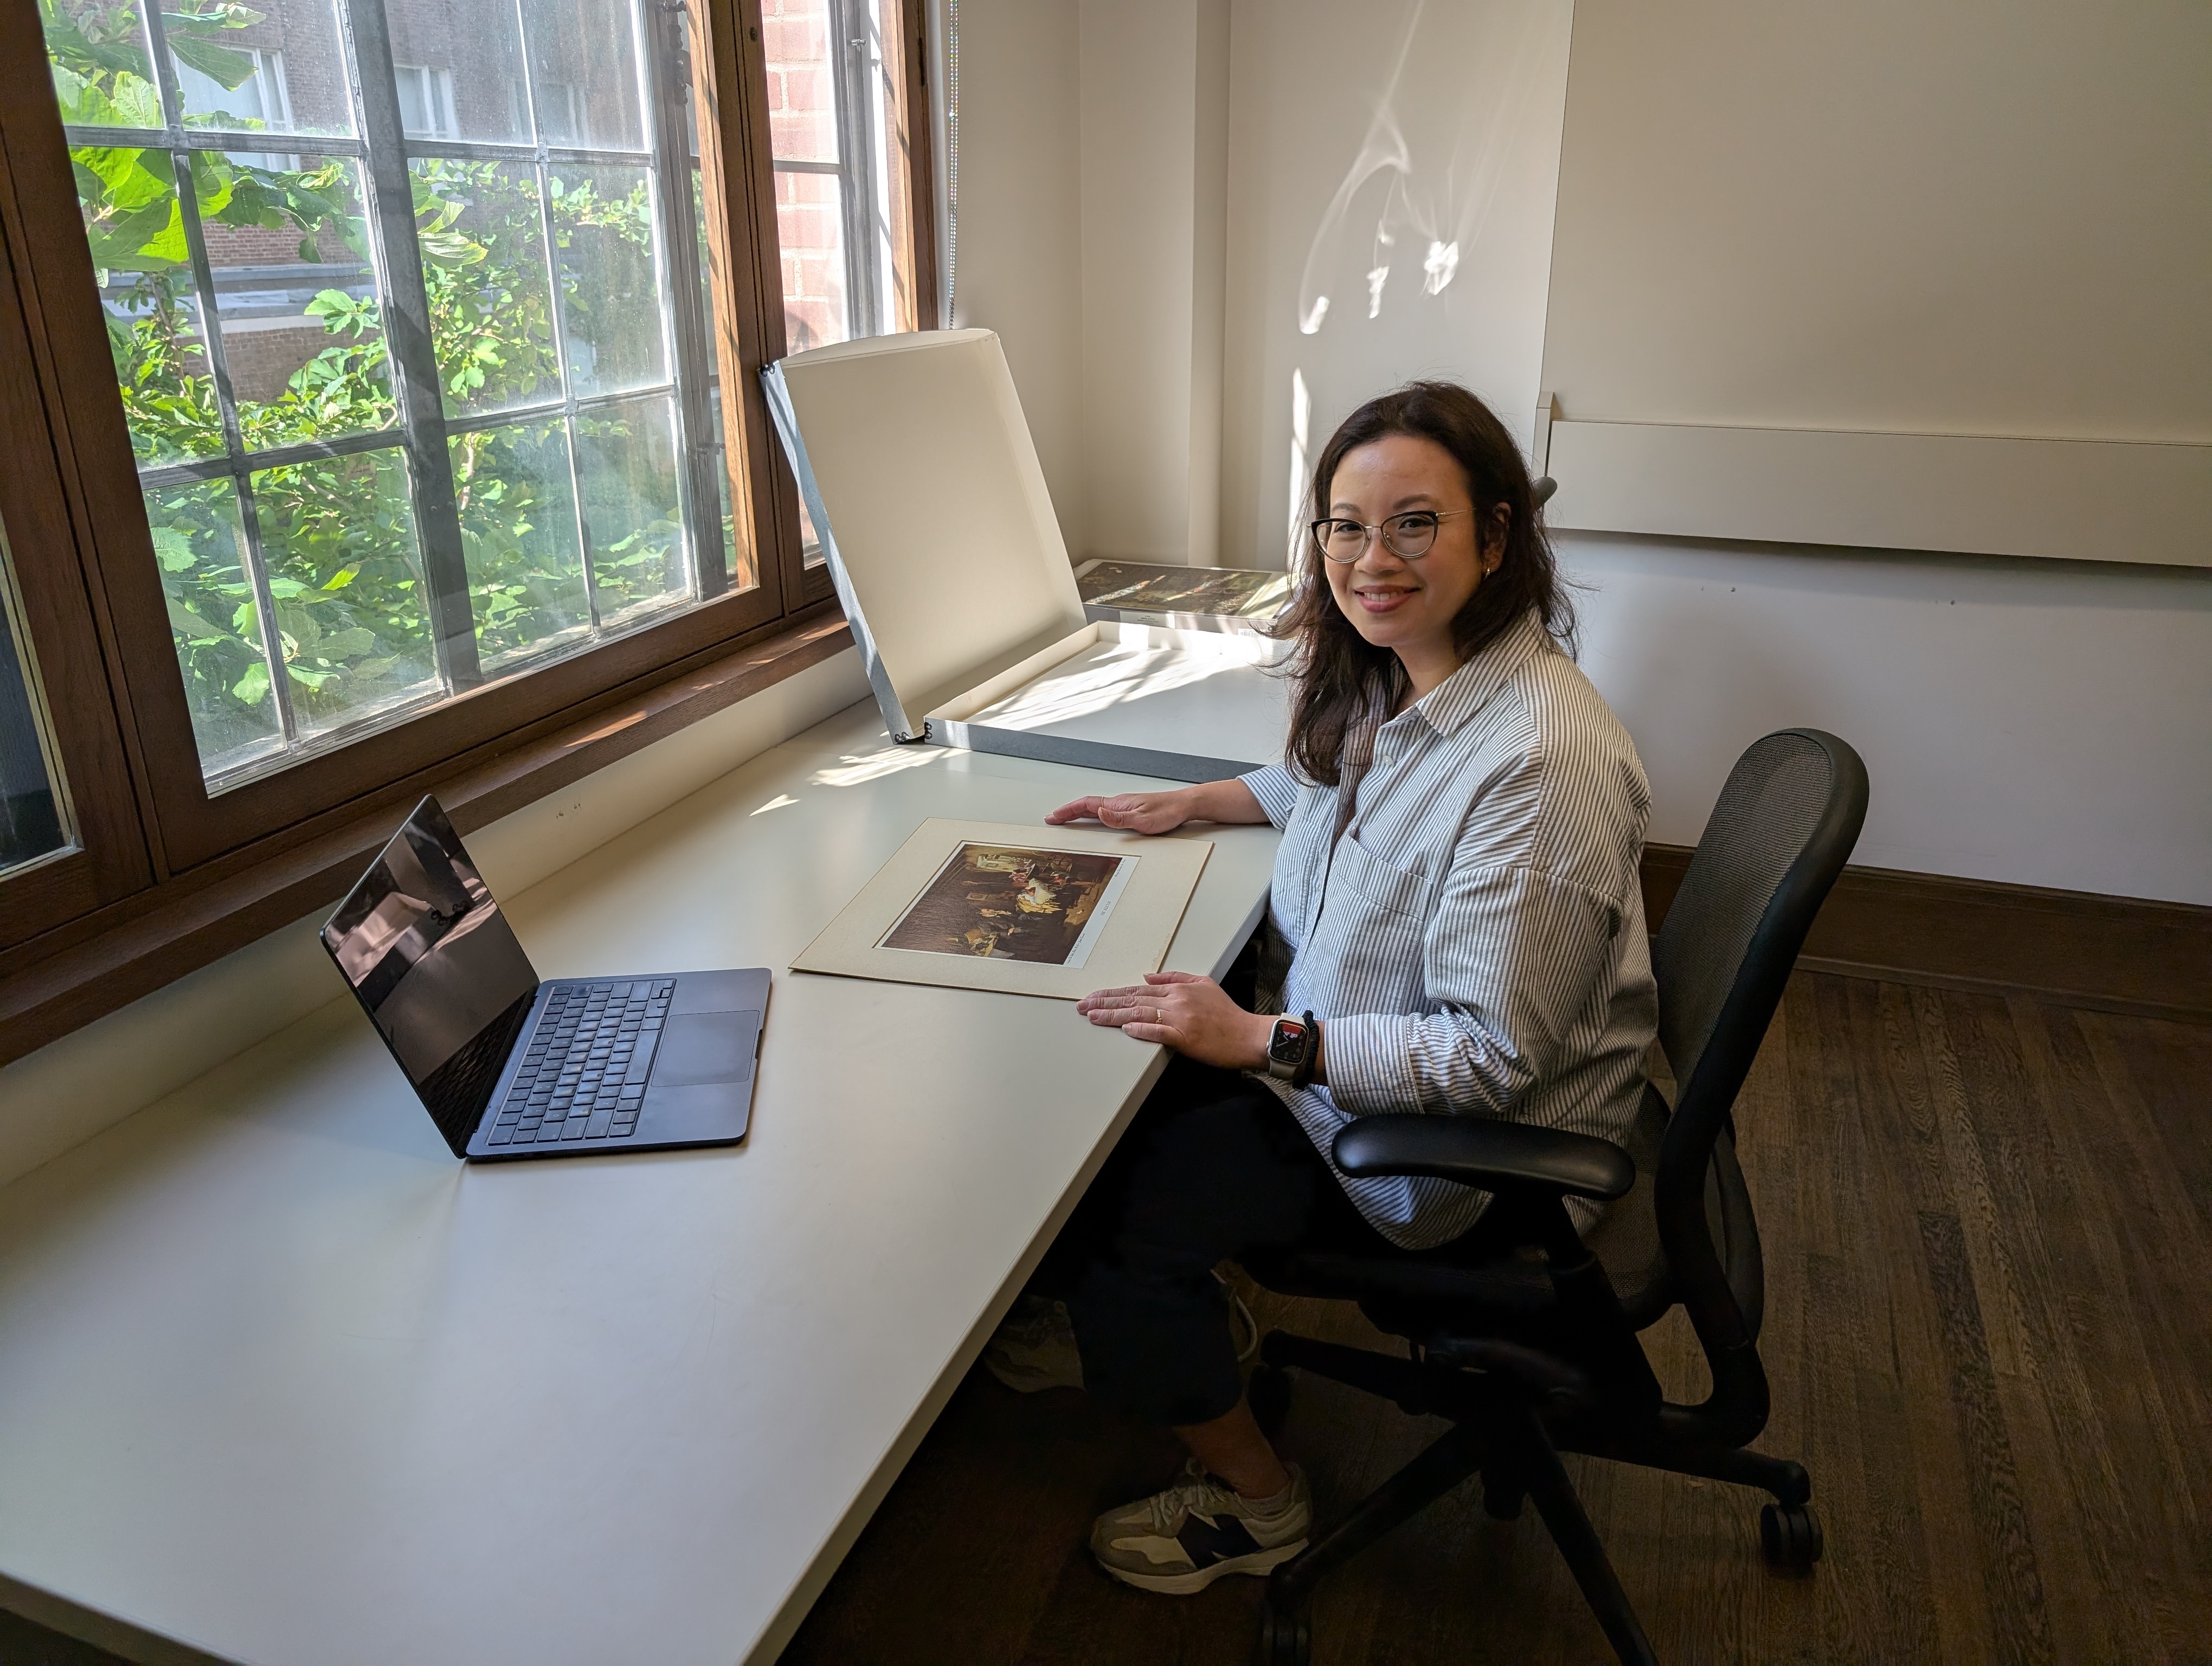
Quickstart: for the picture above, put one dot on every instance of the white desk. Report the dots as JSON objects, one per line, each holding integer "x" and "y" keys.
{"x": 282, "y": 1381}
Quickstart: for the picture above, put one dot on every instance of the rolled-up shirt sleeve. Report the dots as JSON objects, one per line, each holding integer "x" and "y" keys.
{"x": 1512, "y": 957}
{"x": 1276, "y": 789}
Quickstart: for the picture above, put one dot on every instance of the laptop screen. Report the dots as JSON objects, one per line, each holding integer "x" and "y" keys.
{"x": 436, "y": 967}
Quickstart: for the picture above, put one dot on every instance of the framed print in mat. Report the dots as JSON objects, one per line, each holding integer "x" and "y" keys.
{"x": 1050, "y": 911}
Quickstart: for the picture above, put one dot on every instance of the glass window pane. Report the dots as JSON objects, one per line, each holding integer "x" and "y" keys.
{"x": 33, "y": 817}
{"x": 809, "y": 226}
{"x": 199, "y": 542}
{"x": 626, "y": 466}
{"x": 96, "y": 52}
{"x": 296, "y": 298}
{"x": 337, "y": 538}
{"x": 132, "y": 219}
{"x": 802, "y": 108}
{"x": 459, "y": 70}
{"x": 279, "y": 66}
{"x": 611, "y": 312}
{"x": 583, "y": 66}
{"x": 518, "y": 505}
{"x": 484, "y": 265}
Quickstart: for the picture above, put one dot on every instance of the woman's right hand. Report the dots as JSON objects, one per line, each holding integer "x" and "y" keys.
{"x": 1133, "y": 813}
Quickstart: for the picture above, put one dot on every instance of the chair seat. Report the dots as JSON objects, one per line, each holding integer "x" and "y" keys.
{"x": 1450, "y": 1284}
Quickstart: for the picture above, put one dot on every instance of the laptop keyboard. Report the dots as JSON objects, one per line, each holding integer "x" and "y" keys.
{"x": 583, "y": 1076}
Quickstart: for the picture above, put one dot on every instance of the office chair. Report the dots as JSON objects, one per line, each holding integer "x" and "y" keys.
{"x": 1536, "y": 1351}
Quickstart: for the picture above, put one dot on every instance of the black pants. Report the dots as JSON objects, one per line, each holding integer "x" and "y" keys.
{"x": 1213, "y": 1167}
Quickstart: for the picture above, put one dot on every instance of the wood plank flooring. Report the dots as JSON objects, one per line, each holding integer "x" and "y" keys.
{"x": 1988, "y": 1226}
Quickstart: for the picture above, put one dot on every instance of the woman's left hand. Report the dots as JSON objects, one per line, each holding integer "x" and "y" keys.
{"x": 1190, "y": 1014}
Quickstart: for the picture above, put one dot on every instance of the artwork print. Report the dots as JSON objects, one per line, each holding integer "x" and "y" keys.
{"x": 1008, "y": 902}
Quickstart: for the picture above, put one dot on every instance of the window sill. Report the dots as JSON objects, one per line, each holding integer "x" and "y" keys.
{"x": 67, "y": 978}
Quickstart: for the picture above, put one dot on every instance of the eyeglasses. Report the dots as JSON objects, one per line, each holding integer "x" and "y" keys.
{"x": 1409, "y": 536}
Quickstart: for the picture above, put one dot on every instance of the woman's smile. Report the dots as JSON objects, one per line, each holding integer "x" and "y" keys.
{"x": 1379, "y": 595}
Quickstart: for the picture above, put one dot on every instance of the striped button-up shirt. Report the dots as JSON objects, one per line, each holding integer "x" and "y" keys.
{"x": 1468, "y": 924}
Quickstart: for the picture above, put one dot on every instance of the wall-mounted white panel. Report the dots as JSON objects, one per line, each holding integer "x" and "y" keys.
{"x": 2035, "y": 722}
{"x": 1985, "y": 217}
{"x": 2070, "y": 499}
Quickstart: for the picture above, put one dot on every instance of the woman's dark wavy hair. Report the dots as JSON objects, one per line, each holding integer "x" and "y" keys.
{"x": 1338, "y": 676}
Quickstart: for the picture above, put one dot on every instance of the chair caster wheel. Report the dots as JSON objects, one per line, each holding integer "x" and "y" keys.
{"x": 1790, "y": 1534}
{"x": 1269, "y": 1395}
{"x": 1285, "y": 1639}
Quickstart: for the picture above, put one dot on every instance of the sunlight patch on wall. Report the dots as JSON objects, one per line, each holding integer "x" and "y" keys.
{"x": 1439, "y": 198}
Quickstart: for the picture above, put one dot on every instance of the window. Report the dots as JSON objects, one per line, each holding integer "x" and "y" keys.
{"x": 426, "y": 102}
{"x": 257, "y": 101}
{"x": 358, "y": 461}
{"x": 348, "y": 533}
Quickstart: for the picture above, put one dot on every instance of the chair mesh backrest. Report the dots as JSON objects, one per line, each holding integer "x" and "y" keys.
{"x": 1773, "y": 801}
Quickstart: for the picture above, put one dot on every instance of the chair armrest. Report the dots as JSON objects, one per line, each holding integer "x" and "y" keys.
{"x": 1481, "y": 1151}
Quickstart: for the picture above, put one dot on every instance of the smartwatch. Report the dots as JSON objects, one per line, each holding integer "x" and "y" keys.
{"x": 1291, "y": 1048}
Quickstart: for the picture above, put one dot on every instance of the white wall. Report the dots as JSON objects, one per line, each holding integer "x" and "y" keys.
{"x": 71, "y": 1089}
{"x": 1018, "y": 264}
{"x": 1153, "y": 78}
{"x": 2045, "y": 723}
{"x": 1093, "y": 182}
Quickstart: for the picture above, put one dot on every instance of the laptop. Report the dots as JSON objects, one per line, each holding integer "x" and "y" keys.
{"x": 510, "y": 1065}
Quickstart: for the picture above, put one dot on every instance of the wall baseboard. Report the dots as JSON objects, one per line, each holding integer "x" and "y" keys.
{"x": 2118, "y": 954}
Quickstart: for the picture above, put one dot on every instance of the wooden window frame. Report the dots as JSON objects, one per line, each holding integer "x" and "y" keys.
{"x": 109, "y": 859}
{"x": 83, "y": 933}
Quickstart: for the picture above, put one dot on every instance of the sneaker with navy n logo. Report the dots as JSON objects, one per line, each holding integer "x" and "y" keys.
{"x": 1182, "y": 1540}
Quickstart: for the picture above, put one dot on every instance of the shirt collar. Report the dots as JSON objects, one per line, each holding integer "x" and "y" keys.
{"x": 1460, "y": 696}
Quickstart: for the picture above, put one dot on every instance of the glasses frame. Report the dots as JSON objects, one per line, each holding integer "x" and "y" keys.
{"x": 1370, "y": 532}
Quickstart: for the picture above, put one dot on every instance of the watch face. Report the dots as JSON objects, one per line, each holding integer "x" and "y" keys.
{"x": 1289, "y": 1037}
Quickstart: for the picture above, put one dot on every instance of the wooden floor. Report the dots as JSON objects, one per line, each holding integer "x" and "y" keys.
{"x": 1988, "y": 1227}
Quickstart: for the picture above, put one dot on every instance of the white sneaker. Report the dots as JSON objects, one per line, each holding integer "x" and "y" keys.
{"x": 1035, "y": 1348}
{"x": 1182, "y": 1540}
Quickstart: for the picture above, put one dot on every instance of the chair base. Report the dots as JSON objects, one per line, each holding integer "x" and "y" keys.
{"x": 1499, "y": 1432}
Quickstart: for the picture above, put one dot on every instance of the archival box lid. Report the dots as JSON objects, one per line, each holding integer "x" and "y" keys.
{"x": 923, "y": 485}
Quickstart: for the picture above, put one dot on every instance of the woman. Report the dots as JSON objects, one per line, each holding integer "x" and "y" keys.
{"x": 1456, "y": 890}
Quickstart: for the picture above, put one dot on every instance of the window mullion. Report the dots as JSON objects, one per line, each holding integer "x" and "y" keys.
{"x": 559, "y": 300}
{"x": 413, "y": 355}
{"x": 668, "y": 95}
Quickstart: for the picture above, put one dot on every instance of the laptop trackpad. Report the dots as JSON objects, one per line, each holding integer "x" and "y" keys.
{"x": 706, "y": 1047}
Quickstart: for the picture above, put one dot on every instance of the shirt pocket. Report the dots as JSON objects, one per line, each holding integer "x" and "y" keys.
{"x": 1390, "y": 889}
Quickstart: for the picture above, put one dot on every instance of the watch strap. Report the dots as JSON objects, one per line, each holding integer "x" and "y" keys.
{"x": 1309, "y": 1055}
